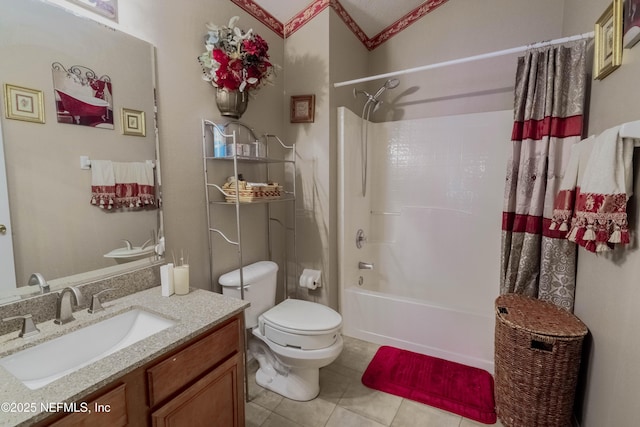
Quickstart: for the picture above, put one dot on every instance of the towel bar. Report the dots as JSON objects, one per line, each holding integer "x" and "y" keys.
{"x": 85, "y": 162}
{"x": 630, "y": 130}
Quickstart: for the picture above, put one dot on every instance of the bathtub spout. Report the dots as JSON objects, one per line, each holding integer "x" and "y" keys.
{"x": 365, "y": 266}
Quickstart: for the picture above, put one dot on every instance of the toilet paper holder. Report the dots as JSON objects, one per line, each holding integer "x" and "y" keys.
{"x": 310, "y": 279}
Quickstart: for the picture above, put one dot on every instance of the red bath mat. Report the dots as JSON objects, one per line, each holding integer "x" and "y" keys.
{"x": 450, "y": 386}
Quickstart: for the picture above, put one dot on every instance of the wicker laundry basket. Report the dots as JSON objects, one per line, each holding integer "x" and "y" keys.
{"x": 537, "y": 358}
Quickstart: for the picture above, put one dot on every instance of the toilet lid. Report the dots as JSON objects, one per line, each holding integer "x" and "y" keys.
{"x": 300, "y": 315}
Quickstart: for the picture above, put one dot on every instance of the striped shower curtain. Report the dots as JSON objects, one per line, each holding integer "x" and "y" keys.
{"x": 548, "y": 119}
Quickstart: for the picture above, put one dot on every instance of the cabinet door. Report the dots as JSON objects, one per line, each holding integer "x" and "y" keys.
{"x": 216, "y": 400}
{"x": 108, "y": 410}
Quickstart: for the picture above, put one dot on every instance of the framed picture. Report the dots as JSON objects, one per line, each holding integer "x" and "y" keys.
{"x": 303, "y": 108}
{"x": 133, "y": 122}
{"x": 82, "y": 98}
{"x": 608, "y": 41}
{"x": 21, "y": 103}
{"x": 106, "y": 8}
{"x": 631, "y": 27}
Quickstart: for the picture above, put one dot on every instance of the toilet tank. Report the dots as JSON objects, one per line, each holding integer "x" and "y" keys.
{"x": 259, "y": 288}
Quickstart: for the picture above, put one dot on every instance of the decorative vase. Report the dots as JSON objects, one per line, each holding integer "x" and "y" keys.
{"x": 231, "y": 103}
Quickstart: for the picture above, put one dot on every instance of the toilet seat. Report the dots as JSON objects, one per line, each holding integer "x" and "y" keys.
{"x": 300, "y": 324}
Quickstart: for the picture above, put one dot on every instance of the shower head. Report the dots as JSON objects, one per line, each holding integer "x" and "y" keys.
{"x": 389, "y": 84}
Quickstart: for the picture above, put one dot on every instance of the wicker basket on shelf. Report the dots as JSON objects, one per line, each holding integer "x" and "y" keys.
{"x": 538, "y": 347}
{"x": 251, "y": 192}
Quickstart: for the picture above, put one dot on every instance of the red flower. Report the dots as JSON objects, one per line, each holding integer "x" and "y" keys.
{"x": 220, "y": 56}
{"x": 233, "y": 61}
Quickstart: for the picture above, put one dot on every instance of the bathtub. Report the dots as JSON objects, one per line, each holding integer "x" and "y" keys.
{"x": 432, "y": 221}
{"x": 418, "y": 326}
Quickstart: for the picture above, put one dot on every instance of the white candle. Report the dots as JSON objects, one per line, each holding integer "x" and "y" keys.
{"x": 181, "y": 279}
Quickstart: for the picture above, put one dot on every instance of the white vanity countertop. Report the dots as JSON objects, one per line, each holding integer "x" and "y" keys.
{"x": 194, "y": 313}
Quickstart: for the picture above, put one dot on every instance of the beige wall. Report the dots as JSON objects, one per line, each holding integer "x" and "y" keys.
{"x": 177, "y": 29}
{"x": 607, "y": 292}
{"x": 317, "y": 55}
{"x": 455, "y": 30}
{"x": 307, "y": 72}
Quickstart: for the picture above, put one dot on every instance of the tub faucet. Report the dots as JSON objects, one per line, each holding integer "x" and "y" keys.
{"x": 64, "y": 309}
{"x": 365, "y": 265}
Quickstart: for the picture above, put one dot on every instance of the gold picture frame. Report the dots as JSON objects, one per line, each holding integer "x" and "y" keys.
{"x": 21, "y": 103}
{"x": 303, "y": 108}
{"x": 608, "y": 41}
{"x": 106, "y": 8}
{"x": 133, "y": 122}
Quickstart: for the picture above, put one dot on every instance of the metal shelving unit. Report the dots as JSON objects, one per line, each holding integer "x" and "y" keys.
{"x": 233, "y": 134}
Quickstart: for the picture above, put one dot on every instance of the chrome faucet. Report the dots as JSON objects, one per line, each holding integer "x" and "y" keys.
{"x": 365, "y": 265}
{"x": 38, "y": 279}
{"x": 64, "y": 309}
{"x": 29, "y": 328}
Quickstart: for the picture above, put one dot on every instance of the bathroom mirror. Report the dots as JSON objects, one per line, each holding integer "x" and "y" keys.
{"x": 56, "y": 231}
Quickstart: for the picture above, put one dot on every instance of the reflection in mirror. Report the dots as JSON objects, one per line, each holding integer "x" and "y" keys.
{"x": 56, "y": 231}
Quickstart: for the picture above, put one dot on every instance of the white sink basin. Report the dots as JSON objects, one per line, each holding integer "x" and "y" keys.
{"x": 40, "y": 365}
{"x": 131, "y": 254}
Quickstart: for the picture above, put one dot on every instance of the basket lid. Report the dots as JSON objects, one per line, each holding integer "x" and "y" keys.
{"x": 539, "y": 317}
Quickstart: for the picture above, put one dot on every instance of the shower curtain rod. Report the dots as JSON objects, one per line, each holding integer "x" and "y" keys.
{"x": 467, "y": 59}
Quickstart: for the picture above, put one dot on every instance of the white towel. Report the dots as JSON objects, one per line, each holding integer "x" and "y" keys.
{"x": 601, "y": 196}
{"x": 134, "y": 184}
{"x": 565, "y": 200}
{"x": 103, "y": 184}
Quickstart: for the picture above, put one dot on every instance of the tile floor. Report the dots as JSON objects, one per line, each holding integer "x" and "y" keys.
{"x": 344, "y": 401}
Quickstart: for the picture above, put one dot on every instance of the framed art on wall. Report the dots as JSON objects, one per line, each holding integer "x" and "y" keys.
{"x": 631, "y": 27}
{"x": 303, "y": 108}
{"x": 608, "y": 41}
{"x": 82, "y": 98}
{"x": 133, "y": 122}
{"x": 106, "y": 8}
{"x": 21, "y": 103}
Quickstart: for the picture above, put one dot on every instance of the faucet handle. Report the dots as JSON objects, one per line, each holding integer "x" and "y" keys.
{"x": 96, "y": 305}
{"x": 29, "y": 328}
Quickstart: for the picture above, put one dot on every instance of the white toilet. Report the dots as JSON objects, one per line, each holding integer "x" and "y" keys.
{"x": 293, "y": 339}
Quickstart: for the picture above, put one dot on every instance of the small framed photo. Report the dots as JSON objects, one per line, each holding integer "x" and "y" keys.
{"x": 21, "y": 103}
{"x": 608, "y": 41}
{"x": 303, "y": 108}
{"x": 133, "y": 122}
{"x": 106, "y": 8}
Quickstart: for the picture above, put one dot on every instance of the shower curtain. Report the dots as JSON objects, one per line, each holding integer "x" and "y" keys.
{"x": 548, "y": 119}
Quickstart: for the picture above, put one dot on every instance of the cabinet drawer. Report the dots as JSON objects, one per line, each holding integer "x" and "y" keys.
{"x": 179, "y": 370}
{"x": 108, "y": 410}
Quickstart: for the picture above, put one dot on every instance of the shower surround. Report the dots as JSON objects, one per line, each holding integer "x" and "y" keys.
{"x": 432, "y": 221}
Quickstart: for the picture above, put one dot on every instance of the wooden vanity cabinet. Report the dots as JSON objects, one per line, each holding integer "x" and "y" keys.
{"x": 200, "y": 383}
